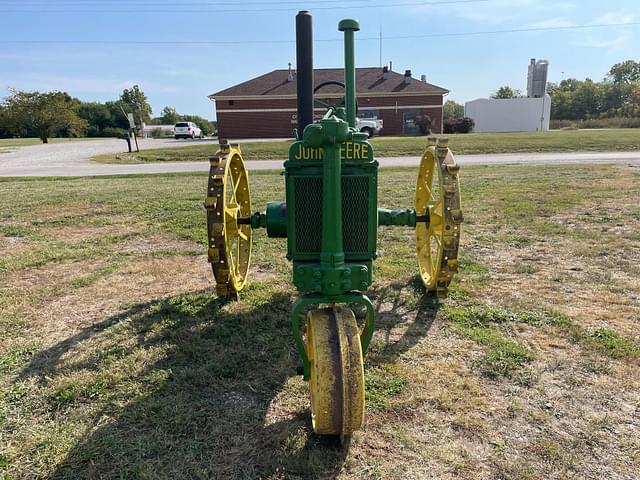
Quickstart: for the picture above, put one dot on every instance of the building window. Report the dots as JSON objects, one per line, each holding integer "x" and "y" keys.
{"x": 410, "y": 122}
{"x": 231, "y": 102}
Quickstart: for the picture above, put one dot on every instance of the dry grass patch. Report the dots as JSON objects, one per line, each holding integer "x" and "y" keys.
{"x": 138, "y": 281}
{"x": 75, "y": 233}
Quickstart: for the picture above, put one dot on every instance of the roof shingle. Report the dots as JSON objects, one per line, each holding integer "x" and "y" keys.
{"x": 368, "y": 80}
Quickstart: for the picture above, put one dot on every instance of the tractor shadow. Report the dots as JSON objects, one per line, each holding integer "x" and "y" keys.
{"x": 191, "y": 387}
{"x": 398, "y": 310}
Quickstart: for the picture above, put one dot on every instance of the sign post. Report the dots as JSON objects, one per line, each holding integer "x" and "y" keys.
{"x": 132, "y": 129}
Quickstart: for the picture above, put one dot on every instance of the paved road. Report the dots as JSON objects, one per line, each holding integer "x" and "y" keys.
{"x": 72, "y": 159}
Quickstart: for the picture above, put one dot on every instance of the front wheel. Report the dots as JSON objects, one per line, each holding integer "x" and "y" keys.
{"x": 336, "y": 377}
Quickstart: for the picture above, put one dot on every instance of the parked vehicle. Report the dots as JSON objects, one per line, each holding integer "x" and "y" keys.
{"x": 370, "y": 126}
{"x": 187, "y": 130}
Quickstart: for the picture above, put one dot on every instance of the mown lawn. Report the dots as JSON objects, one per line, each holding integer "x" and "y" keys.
{"x": 118, "y": 361}
{"x": 552, "y": 141}
{"x": 6, "y": 143}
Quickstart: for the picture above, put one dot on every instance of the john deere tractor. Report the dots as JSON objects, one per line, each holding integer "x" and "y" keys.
{"x": 330, "y": 218}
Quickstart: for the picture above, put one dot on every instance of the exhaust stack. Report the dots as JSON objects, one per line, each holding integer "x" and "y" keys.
{"x": 304, "y": 67}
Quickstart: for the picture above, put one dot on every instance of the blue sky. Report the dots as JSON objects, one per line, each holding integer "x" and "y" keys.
{"x": 182, "y": 76}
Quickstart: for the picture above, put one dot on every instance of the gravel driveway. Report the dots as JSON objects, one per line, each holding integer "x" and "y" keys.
{"x": 72, "y": 159}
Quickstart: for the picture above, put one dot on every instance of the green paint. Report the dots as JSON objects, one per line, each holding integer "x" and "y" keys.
{"x": 405, "y": 217}
{"x": 349, "y": 27}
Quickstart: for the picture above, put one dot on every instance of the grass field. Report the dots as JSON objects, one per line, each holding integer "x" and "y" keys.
{"x": 118, "y": 361}
{"x": 553, "y": 141}
{"x": 7, "y": 143}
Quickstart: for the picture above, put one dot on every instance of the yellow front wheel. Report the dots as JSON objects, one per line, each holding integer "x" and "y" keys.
{"x": 336, "y": 371}
{"x": 439, "y": 217}
{"x": 228, "y": 206}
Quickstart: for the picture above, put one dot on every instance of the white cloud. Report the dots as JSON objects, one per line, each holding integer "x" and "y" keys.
{"x": 619, "y": 40}
{"x": 556, "y": 22}
{"x": 615, "y": 17}
{"x": 605, "y": 38}
{"x": 498, "y": 11}
{"x": 81, "y": 85}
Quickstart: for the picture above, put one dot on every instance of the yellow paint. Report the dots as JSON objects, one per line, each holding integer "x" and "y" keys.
{"x": 337, "y": 374}
{"x": 308, "y": 153}
{"x": 354, "y": 151}
{"x": 230, "y": 199}
{"x": 438, "y": 193}
{"x": 348, "y": 151}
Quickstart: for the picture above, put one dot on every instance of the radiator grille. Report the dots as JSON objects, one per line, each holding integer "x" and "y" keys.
{"x": 355, "y": 214}
{"x": 355, "y": 210}
{"x": 308, "y": 192}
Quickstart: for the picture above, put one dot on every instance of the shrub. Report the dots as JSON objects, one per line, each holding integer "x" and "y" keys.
{"x": 157, "y": 133}
{"x": 562, "y": 124}
{"x": 113, "y": 132}
{"x": 612, "y": 122}
{"x": 459, "y": 125}
{"x": 424, "y": 124}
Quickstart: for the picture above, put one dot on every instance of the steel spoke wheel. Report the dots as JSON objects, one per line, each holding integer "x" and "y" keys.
{"x": 336, "y": 371}
{"x": 439, "y": 217}
{"x": 228, "y": 206}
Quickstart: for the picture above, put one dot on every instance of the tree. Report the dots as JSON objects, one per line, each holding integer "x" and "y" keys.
{"x": 452, "y": 109}
{"x": 98, "y": 117}
{"x": 5, "y": 127}
{"x": 134, "y": 101}
{"x": 625, "y": 72}
{"x": 169, "y": 116}
{"x": 506, "y": 92}
{"x": 43, "y": 114}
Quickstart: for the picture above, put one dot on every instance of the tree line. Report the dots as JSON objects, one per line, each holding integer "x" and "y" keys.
{"x": 57, "y": 114}
{"x": 616, "y": 96}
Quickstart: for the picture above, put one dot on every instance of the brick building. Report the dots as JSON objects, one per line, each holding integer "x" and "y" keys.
{"x": 265, "y": 107}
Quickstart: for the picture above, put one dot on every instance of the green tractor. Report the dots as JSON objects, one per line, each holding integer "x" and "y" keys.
{"x": 330, "y": 219}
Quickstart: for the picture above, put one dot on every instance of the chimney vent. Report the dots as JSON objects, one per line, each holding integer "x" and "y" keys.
{"x": 407, "y": 77}
{"x": 423, "y": 78}
{"x": 385, "y": 72}
{"x": 290, "y": 76}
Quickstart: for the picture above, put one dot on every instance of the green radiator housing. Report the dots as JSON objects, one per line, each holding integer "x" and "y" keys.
{"x": 303, "y": 180}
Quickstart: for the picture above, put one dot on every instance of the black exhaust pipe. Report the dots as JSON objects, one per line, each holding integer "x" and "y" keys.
{"x": 304, "y": 65}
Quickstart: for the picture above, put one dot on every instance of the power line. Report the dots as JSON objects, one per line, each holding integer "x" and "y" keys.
{"x": 267, "y": 42}
{"x": 18, "y": 3}
{"x": 174, "y": 11}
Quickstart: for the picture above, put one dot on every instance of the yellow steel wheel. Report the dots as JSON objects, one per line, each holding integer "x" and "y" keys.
{"x": 439, "y": 216}
{"x": 228, "y": 207}
{"x": 336, "y": 371}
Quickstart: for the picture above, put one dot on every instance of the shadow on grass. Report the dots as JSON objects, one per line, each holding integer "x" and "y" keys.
{"x": 184, "y": 387}
{"x": 393, "y": 310}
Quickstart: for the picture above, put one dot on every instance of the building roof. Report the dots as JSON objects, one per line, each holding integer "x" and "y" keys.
{"x": 368, "y": 80}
